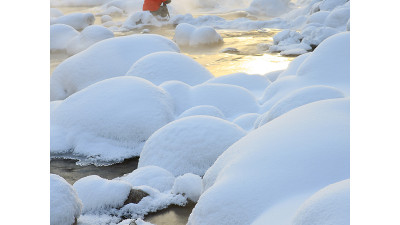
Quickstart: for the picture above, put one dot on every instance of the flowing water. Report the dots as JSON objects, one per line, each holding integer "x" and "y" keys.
{"x": 244, "y": 56}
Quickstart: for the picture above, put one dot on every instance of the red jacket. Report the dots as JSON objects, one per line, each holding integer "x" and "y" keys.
{"x": 152, "y": 5}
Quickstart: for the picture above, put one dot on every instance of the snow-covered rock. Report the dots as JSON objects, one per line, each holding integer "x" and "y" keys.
{"x": 76, "y": 20}
{"x": 165, "y": 66}
{"x": 190, "y": 185}
{"x": 60, "y": 36}
{"x": 272, "y": 76}
{"x": 139, "y": 19}
{"x": 206, "y": 110}
{"x": 294, "y": 65}
{"x": 190, "y": 144}
{"x": 110, "y": 120}
{"x": 183, "y": 33}
{"x": 88, "y": 37}
{"x": 106, "y": 18}
{"x": 152, "y": 176}
{"x": 54, "y": 13}
{"x": 188, "y": 35}
{"x": 108, "y": 58}
{"x": 246, "y": 121}
{"x": 65, "y": 205}
{"x": 330, "y": 205}
{"x": 97, "y": 193}
{"x": 281, "y": 163}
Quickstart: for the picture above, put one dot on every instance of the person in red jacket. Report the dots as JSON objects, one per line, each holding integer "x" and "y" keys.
{"x": 154, "y": 6}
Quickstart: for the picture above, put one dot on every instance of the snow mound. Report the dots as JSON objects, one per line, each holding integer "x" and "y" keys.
{"x": 165, "y": 66}
{"x": 330, "y": 205}
{"x": 294, "y": 65}
{"x": 110, "y": 120}
{"x": 190, "y": 185}
{"x": 256, "y": 84}
{"x": 206, "y": 110}
{"x": 338, "y": 17}
{"x": 190, "y": 144}
{"x": 272, "y": 76}
{"x": 76, "y": 20}
{"x": 247, "y": 121}
{"x": 108, "y": 58}
{"x": 105, "y": 18}
{"x": 298, "y": 98}
{"x": 141, "y": 19}
{"x": 152, "y": 176}
{"x": 60, "y": 36}
{"x": 188, "y": 35}
{"x": 318, "y": 17}
{"x": 88, "y": 37}
{"x": 54, "y": 13}
{"x": 65, "y": 206}
{"x": 271, "y": 8}
{"x": 98, "y": 193}
{"x": 291, "y": 157}
{"x": 232, "y": 100}
{"x": 180, "y": 93}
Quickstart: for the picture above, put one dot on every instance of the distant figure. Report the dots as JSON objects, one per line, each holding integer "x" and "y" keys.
{"x": 155, "y": 7}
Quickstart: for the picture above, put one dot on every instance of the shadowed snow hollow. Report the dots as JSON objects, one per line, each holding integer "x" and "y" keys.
{"x": 281, "y": 163}
{"x": 190, "y": 144}
{"x": 110, "y": 120}
{"x": 108, "y": 58}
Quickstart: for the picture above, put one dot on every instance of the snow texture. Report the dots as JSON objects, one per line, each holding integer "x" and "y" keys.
{"x": 108, "y": 58}
{"x": 88, "y": 37}
{"x": 76, "y": 20}
{"x": 65, "y": 205}
{"x": 206, "y": 110}
{"x": 165, "y": 66}
{"x": 246, "y": 121}
{"x": 152, "y": 176}
{"x": 190, "y": 185}
{"x": 97, "y": 193}
{"x": 190, "y": 144}
{"x": 60, "y": 36}
{"x": 188, "y": 35}
{"x": 110, "y": 120}
{"x": 289, "y": 158}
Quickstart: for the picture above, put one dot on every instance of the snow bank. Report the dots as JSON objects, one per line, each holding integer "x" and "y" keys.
{"x": 206, "y": 110}
{"x": 298, "y": 98}
{"x": 98, "y": 193}
{"x": 331, "y": 205}
{"x": 190, "y": 185}
{"x": 289, "y": 158}
{"x": 108, "y": 58}
{"x": 110, "y": 120}
{"x": 88, "y": 37}
{"x": 56, "y": 3}
{"x": 256, "y": 84}
{"x": 190, "y": 144}
{"x": 152, "y": 176}
{"x": 76, "y": 20}
{"x": 247, "y": 121}
{"x": 165, "y": 66}
{"x": 60, "y": 36}
{"x": 65, "y": 206}
{"x": 188, "y": 35}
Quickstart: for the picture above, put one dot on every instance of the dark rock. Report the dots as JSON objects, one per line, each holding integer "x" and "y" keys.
{"x": 135, "y": 196}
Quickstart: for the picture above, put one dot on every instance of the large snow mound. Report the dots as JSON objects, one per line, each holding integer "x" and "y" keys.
{"x": 76, "y": 20}
{"x": 110, "y": 120}
{"x": 206, "y": 110}
{"x": 108, "y": 58}
{"x": 330, "y": 206}
{"x": 190, "y": 144}
{"x": 152, "y": 176}
{"x": 88, "y": 37}
{"x": 60, "y": 36}
{"x": 188, "y": 35}
{"x": 190, "y": 185}
{"x": 291, "y": 157}
{"x": 98, "y": 193}
{"x": 165, "y": 66}
{"x": 65, "y": 206}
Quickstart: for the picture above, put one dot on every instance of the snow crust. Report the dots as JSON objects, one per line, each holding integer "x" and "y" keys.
{"x": 65, "y": 205}
{"x": 76, "y": 20}
{"x": 188, "y": 35}
{"x": 206, "y": 110}
{"x": 88, "y": 37}
{"x": 190, "y": 185}
{"x": 190, "y": 144}
{"x": 110, "y": 120}
{"x": 108, "y": 58}
{"x": 60, "y": 36}
{"x": 165, "y": 66}
{"x": 98, "y": 193}
{"x": 288, "y": 159}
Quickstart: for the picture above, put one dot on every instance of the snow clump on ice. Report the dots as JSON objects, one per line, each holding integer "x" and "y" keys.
{"x": 190, "y": 185}
{"x": 76, "y": 20}
{"x": 165, "y": 66}
{"x": 88, "y": 37}
{"x": 110, "y": 120}
{"x": 190, "y": 144}
{"x": 65, "y": 205}
{"x": 60, "y": 36}
{"x": 188, "y": 35}
{"x": 108, "y": 58}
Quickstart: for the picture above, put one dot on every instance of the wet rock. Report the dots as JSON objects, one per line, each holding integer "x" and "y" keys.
{"x": 135, "y": 196}
{"x": 230, "y": 50}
